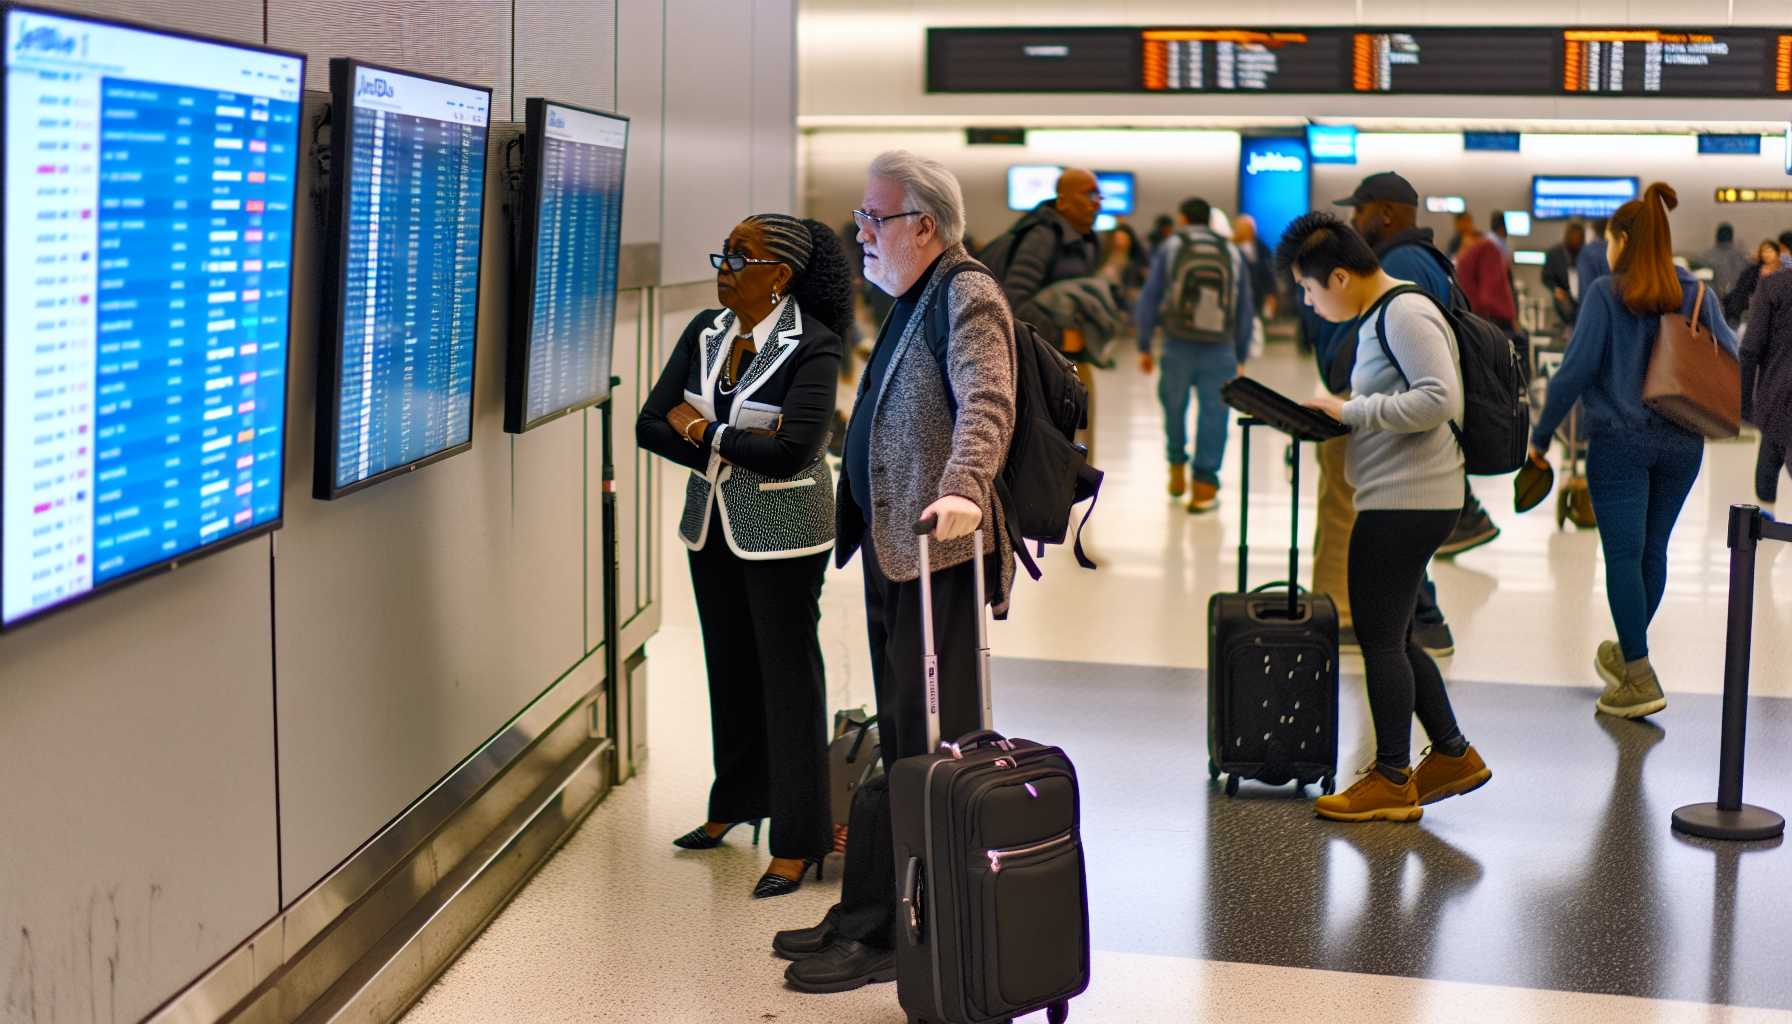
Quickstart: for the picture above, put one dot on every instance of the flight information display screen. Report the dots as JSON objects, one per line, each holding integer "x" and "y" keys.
{"x": 407, "y": 188}
{"x": 149, "y": 193}
{"x": 564, "y": 305}
{"x": 1579, "y": 196}
{"x": 1522, "y": 61}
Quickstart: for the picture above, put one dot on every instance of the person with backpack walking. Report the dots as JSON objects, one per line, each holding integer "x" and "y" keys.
{"x": 1199, "y": 291}
{"x": 1407, "y": 466}
{"x": 1640, "y": 466}
{"x": 928, "y": 436}
{"x": 746, "y": 403}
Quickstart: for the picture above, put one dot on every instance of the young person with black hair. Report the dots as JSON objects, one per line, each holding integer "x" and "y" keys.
{"x": 1640, "y": 467}
{"x": 746, "y": 402}
{"x": 1407, "y": 469}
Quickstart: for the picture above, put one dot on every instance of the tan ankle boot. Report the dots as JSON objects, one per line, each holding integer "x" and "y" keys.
{"x": 1178, "y": 479}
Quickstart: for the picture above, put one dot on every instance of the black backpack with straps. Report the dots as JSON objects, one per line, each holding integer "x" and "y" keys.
{"x": 1046, "y": 472}
{"x": 1494, "y": 431}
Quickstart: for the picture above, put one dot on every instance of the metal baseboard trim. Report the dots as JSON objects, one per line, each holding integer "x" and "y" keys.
{"x": 550, "y": 763}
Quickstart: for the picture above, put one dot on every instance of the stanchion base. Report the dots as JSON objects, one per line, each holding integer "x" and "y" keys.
{"x": 1749, "y": 822}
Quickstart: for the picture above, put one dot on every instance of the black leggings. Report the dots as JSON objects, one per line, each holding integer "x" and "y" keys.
{"x": 1388, "y": 553}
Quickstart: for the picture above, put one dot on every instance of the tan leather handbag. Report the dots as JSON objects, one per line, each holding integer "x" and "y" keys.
{"x": 1694, "y": 381}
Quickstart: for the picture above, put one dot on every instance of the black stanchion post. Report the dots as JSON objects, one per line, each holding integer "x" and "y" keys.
{"x": 1729, "y": 817}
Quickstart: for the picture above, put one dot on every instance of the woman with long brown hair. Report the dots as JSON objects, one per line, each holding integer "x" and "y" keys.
{"x": 1639, "y": 466}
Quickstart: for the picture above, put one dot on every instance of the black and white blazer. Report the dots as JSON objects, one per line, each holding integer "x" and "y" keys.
{"x": 775, "y": 494}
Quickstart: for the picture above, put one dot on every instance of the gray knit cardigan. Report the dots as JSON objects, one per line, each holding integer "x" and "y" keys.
{"x": 918, "y": 451}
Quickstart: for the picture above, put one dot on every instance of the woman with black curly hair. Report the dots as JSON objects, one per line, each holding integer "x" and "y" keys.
{"x": 746, "y": 402}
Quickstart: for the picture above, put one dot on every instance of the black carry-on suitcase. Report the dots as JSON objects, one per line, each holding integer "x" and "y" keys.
{"x": 993, "y": 918}
{"x": 1272, "y": 668}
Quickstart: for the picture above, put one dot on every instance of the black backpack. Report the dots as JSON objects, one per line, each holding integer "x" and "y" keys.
{"x": 1046, "y": 472}
{"x": 996, "y": 255}
{"x": 1495, "y": 431}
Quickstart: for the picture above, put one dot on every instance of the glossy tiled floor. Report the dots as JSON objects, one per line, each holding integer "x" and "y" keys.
{"x": 1557, "y": 893}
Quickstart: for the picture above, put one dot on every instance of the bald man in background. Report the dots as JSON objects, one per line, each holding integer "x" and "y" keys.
{"x": 1048, "y": 263}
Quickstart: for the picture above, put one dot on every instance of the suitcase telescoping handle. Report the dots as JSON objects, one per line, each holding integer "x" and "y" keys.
{"x": 930, "y": 661}
{"x": 1244, "y": 518}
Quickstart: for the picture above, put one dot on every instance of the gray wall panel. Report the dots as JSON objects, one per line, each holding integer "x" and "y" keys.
{"x": 468, "y": 42}
{"x": 709, "y": 119}
{"x": 566, "y": 51}
{"x": 223, "y": 19}
{"x": 136, "y": 790}
{"x": 773, "y": 140}
{"x": 419, "y": 615}
{"x": 640, "y": 38}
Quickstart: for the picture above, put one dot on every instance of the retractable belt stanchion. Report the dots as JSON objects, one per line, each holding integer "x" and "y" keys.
{"x": 1729, "y": 817}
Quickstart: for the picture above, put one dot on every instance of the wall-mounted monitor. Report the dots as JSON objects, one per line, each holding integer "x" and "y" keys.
{"x": 1116, "y": 192}
{"x": 1518, "y": 222}
{"x": 1579, "y": 196}
{"x": 149, "y": 194}
{"x": 1274, "y": 182}
{"x": 401, "y": 275}
{"x": 1032, "y": 184}
{"x": 563, "y": 293}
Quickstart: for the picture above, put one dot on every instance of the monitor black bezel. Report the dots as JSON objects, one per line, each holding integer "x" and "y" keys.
{"x": 172, "y": 562}
{"x": 522, "y": 283}
{"x": 1633, "y": 179}
{"x": 329, "y": 338}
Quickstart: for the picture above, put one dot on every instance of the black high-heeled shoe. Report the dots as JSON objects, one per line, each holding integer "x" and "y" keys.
{"x": 700, "y": 839}
{"x": 771, "y": 885}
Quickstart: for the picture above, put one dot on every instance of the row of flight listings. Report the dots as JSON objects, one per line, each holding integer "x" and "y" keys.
{"x": 1728, "y": 62}
{"x": 150, "y": 188}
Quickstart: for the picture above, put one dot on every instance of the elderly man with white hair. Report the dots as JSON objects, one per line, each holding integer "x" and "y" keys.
{"x": 928, "y": 434}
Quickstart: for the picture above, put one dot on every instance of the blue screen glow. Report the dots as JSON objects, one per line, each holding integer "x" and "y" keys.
{"x": 149, "y": 194}
{"x": 1273, "y": 179}
{"x": 410, "y": 288}
{"x": 578, "y": 232}
{"x": 1579, "y": 196}
{"x": 1116, "y": 191}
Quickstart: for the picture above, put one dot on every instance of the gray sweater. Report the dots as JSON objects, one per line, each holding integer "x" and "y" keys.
{"x": 919, "y": 451}
{"x": 1402, "y": 453}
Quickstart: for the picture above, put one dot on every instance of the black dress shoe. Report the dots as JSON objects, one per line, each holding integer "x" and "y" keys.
{"x": 700, "y": 839}
{"x": 842, "y": 966}
{"x": 799, "y": 943}
{"x": 777, "y": 885}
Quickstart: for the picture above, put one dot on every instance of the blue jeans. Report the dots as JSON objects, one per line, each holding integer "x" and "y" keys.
{"x": 1202, "y": 367}
{"x": 1638, "y": 479}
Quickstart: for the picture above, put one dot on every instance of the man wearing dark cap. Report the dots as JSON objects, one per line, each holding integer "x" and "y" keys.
{"x": 1386, "y": 215}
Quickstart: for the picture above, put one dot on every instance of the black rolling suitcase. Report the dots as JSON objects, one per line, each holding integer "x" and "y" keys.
{"x": 993, "y": 919}
{"x": 1272, "y": 670}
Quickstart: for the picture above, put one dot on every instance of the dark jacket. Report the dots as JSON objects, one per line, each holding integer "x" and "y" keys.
{"x": 1737, "y": 302}
{"x": 1608, "y": 358}
{"x": 774, "y": 490}
{"x": 920, "y": 451}
{"x": 1766, "y": 357}
{"x": 1047, "y": 251}
{"x": 1556, "y": 264}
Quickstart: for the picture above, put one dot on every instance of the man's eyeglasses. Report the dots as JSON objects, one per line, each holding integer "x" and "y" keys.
{"x": 735, "y": 261}
{"x": 866, "y": 221}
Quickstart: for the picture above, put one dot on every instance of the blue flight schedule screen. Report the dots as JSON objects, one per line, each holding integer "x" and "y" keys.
{"x": 149, "y": 209}
{"x": 411, "y": 279}
{"x": 578, "y": 234}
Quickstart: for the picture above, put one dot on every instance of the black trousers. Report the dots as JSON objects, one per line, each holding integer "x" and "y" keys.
{"x": 1388, "y": 554}
{"x": 767, "y": 692}
{"x": 1768, "y": 460}
{"x": 867, "y": 910}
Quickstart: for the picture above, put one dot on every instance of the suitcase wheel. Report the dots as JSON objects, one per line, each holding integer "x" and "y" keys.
{"x": 1232, "y": 785}
{"x": 1213, "y": 770}
{"x": 1328, "y": 785}
{"x": 1057, "y": 1013}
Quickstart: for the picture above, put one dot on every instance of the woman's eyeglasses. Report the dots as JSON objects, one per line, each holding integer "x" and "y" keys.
{"x": 867, "y": 221}
{"x": 735, "y": 261}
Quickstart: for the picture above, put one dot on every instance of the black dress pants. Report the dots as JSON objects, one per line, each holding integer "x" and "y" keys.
{"x": 767, "y": 692}
{"x": 1768, "y": 460}
{"x": 867, "y": 910}
{"x": 1388, "y": 553}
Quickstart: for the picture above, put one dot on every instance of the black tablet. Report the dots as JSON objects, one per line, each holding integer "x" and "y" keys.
{"x": 1280, "y": 411}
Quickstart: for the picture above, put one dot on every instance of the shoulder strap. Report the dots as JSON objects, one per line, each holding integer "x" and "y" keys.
{"x": 1381, "y": 335}
{"x": 936, "y": 331}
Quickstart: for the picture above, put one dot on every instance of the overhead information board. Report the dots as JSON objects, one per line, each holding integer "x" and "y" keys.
{"x": 1522, "y": 61}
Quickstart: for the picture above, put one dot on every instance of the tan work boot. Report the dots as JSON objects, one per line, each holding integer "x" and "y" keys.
{"x": 1203, "y": 497}
{"x": 1375, "y": 798}
{"x": 1441, "y": 776}
{"x": 1638, "y": 694}
{"x": 1609, "y": 663}
{"x": 1178, "y": 479}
